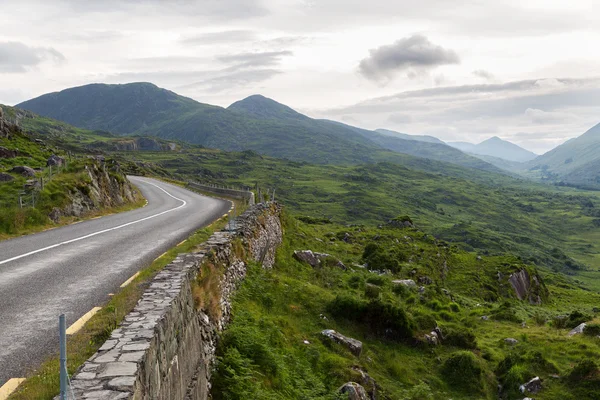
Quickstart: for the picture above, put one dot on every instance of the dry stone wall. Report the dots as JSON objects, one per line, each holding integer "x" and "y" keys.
{"x": 165, "y": 348}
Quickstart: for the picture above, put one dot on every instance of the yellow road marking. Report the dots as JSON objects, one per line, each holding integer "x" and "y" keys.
{"x": 224, "y": 215}
{"x": 163, "y": 254}
{"x": 128, "y": 281}
{"x": 10, "y": 387}
{"x": 81, "y": 321}
{"x": 182, "y": 242}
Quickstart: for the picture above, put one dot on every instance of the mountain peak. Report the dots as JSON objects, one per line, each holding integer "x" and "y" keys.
{"x": 263, "y": 107}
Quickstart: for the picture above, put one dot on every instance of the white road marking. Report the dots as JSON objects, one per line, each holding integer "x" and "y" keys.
{"x": 102, "y": 231}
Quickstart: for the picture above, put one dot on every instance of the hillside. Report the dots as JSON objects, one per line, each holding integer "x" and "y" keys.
{"x": 419, "y": 138}
{"x": 496, "y": 147}
{"x": 255, "y": 123}
{"x": 576, "y": 162}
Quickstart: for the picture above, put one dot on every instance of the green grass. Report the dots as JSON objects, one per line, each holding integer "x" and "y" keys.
{"x": 263, "y": 354}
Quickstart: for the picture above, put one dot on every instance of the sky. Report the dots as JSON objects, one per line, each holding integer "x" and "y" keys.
{"x": 525, "y": 71}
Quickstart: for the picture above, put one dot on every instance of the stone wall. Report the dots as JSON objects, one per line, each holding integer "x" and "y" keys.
{"x": 232, "y": 193}
{"x": 165, "y": 348}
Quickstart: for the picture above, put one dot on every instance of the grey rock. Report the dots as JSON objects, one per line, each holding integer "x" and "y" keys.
{"x": 533, "y": 386}
{"x": 511, "y": 341}
{"x": 578, "y": 329}
{"x": 123, "y": 383}
{"x": 355, "y": 346}
{"x": 23, "y": 170}
{"x": 308, "y": 257}
{"x": 354, "y": 391}
{"x": 118, "y": 368}
{"x": 425, "y": 280}
{"x": 405, "y": 282}
{"x": 7, "y": 153}
{"x": 4, "y": 177}
{"x": 55, "y": 161}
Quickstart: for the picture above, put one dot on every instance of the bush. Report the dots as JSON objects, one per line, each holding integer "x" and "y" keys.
{"x": 463, "y": 370}
{"x": 376, "y": 280}
{"x": 505, "y": 312}
{"x": 372, "y": 291}
{"x": 378, "y": 258}
{"x": 585, "y": 369}
{"x": 592, "y": 330}
{"x": 454, "y": 307}
{"x": 381, "y": 318}
{"x": 577, "y": 318}
{"x": 559, "y": 321}
{"x": 459, "y": 337}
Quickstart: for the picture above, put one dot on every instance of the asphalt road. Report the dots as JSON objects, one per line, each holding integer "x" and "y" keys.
{"x": 72, "y": 269}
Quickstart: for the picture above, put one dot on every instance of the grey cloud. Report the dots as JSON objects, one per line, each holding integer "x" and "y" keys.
{"x": 481, "y": 73}
{"x": 17, "y": 57}
{"x": 413, "y": 52}
{"x": 211, "y": 38}
{"x": 398, "y": 118}
{"x": 262, "y": 59}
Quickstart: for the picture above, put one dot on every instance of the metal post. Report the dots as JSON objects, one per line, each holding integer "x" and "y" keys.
{"x": 62, "y": 329}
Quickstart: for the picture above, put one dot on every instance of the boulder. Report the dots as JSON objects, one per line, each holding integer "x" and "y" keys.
{"x": 55, "y": 161}
{"x": 6, "y": 153}
{"x": 533, "y": 386}
{"x": 6, "y": 177}
{"x": 526, "y": 287}
{"x": 23, "y": 170}
{"x": 425, "y": 280}
{"x": 405, "y": 282}
{"x": 401, "y": 222}
{"x": 511, "y": 341}
{"x": 308, "y": 257}
{"x": 354, "y": 391}
{"x": 578, "y": 329}
{"x": 355, "y": 346}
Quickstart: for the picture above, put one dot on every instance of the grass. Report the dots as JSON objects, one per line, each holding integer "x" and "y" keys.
{"x": 43, "y": 384}
{"x": 273, "y": 348}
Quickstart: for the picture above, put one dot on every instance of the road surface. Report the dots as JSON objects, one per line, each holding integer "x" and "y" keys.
{"x": 73, "y": 269}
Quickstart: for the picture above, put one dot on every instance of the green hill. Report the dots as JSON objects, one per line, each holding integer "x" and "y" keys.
{"x": 576, "y": 162}
{"x": 255, "y": 123}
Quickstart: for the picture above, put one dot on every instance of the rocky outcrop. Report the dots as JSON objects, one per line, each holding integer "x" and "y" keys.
{"x": 106, "y": 187}
{"x": 528, "y": 287}
{"x": 355, "y": 346}
{"x": 578, "y": 329}
{"x": 405, "y": 282}
{"x": 23, "y": 170}
{"x": 6, "y": 177}
{"x": 7, "y": 153}
{"x": 401, "y": 222}
{"x": 165, "y": 348}
{"x": 142, "y": 144}
{"x": 354, "y": 391}
{"x": 533, "y": 386}
{"x": 315, "y": 259}
{"x": 55, "y": 161}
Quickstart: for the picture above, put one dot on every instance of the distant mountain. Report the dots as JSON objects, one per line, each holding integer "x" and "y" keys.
{"x": 254, "y": 123}
{"x": 575, "y": 162}
{"x": 496, "y": 147}
{"x": 419, "y": 138}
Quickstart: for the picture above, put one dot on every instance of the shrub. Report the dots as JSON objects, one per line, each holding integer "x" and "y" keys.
{"x": 577, "y": 318}
{"x": 355, "y": 281}
{"x": 382, "y": 259}
{"x": 559, "y": 321}
{"x": 372, "y": 291}
{"x": 583, "y": 370}
{"x": 459, "y": 337}
{"x": 505, "y": 312}
{"x": 381, "y": 318}
{"x": 539, "y": 319}
{"x": 463, "y": 370}
{"x": 592, "y": 330}
{"x": 454, "y": 307}
{"x": 376, "y": 280}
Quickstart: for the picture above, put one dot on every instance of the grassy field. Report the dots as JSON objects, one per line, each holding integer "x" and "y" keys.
{"x": 274, "y": 350}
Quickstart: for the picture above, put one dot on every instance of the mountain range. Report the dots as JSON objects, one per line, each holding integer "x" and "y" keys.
{"x": 496, "y": 147}
{"x": 254, "y": 123}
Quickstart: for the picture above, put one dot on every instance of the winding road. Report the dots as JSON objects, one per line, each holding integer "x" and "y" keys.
{"x": 73, "y": 269}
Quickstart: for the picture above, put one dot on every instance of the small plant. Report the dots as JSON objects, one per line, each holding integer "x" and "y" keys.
{"x": 592, "y": 330}
{"x": 585, "y": 369}
{"x": 463, "y": 370}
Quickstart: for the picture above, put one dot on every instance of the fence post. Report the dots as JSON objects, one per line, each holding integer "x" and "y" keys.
{"x": 62, "y": 330}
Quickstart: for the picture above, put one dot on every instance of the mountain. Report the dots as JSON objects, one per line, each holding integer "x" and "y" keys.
{"x": 575, "y": 162}
{"x": 419, "y": 138}
{"x": 254, "y": 123}
{"x": 496, "y": 147}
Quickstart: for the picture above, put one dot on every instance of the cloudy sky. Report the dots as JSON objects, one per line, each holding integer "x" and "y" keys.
{"x": 525, "y": 71}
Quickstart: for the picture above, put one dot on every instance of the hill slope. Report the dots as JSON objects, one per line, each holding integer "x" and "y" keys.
{"x": 419, "y": 138}
{"x": 576, "y": 162}
{"x": 255, "y": 123}
{"x": 496, "y": 147}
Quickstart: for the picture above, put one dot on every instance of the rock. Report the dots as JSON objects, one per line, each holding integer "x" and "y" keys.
{"x": 355, "y": 346}
{"x": 485, "y": 318}
{"x": 55, "y": 161}
{"x": 23, "y": 170}
{"x": 425, "y": 280}
{"x": 315, "y": 259}
{"x": 370, "y": 385}
{"x": 401, "y": 222}
{"x": 421, "y": 289}
{"x": 6, "y": 153}
{"x": 511, "y": 341}
{"x": 595, "y": 309}
{"x": 354, "y": 391}
{"x": 533, "y": 386}
{"x": 55, "y": 215}
{"x": 405, "y": 282}
{"x": 524, "y": 286}
{"x": 578, "y": 329}
{"x": 6, "y": 177}
{"x": 432, "y": 339}
{"x": 31, "y": 184}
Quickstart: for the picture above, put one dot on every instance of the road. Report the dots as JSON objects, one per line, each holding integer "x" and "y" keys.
{"x": 74, "y": 268}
